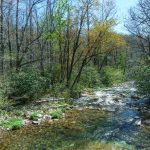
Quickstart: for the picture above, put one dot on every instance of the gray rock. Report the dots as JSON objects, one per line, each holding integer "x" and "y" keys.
{"x": 138, "y": 122}
{"x": 136, "y": 117}
{"x": 37, "y": 122}
{"x": 112, "y": 109}
{"x": 56, "y": 119}
{"x": 84, "y": 95}
{"x": 146, "y": 122}
{"x": 27, "y": 122}
{"x": 135, "y": 97}
{"x": 47, "y": 117}
{"x": 130, "y": 120}
{"x": 94, "y": 98}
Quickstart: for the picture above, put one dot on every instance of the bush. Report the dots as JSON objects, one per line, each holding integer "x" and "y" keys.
{"x": 34, "y": 116}
{"x": 18, "y": 113}
{"x": 13, "y": 123}
{"x": 77, "y": 90}
{"x": 90, "y": 77}
{"x": 56, "y": 114}
{"x": 60, "y": 90}
{"x": 111, "y": 76}
{"x": 143, "y": 80}
{"x": 27, "y": 83}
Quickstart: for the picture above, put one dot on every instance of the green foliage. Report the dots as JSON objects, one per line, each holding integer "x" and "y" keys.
{"x": 77, "y": 90}
{"x": 60, "y": 90}
{"x": 34, "y": 116}
{"x": 13, "y": 123}
{"x": 120, "y": 60}
{"x": 4, "y": 87}
{"x": 56, "y": 114}
{"x": 90, "y": 77}
{"x": 143, "y": 80}
{"x": 111, "y": 76}
{"x": 18, "y": 113}
{"x": 27, "y": 83}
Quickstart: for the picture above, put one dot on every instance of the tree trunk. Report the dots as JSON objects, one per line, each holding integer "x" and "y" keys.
{"x": 1, "y": 39}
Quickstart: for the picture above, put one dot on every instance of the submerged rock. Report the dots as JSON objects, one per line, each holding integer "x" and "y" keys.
{"x": 135, "y": 97}
{"x": 138, "y": 122}
{"x": 109, "y": 109}
{"x": 130, "y": 120}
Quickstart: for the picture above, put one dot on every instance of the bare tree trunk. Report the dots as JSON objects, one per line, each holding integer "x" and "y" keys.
{"x": 31, "y": 30}
{"x": 17, "y": 36}
{"x": 76, "y": 44}
{"x": 1, "y": 39}
{"x": 9, "y": 25}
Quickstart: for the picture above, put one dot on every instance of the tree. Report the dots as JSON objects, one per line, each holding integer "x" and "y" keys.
{"x": 138, "y": 24}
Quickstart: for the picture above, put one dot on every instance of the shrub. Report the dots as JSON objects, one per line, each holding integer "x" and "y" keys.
{"x": 90, "y": 77}
{"x": 143, "y": 80}
{"x": 27, "y": 83}
{"x": 56, "y": 114}
{"x": 57, "y": 90}
{"x": 34, "y": 116}
{"x": 77, "y": 90}
{"x": 111, "y": 76}
{"x": 13, "y": 123}
{"x": 18, "y": 113}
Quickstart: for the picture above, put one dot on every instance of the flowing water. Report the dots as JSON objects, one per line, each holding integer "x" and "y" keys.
{"x": 109, "y": 121}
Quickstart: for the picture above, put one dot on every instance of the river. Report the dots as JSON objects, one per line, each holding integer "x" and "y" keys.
{"x": 109, "y": 119}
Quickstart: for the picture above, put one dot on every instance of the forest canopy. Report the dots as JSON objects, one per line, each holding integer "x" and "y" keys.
{"x": 58, "y": 42}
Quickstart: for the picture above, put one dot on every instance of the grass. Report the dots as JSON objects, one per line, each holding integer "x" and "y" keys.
{"x": 18, "y": 113}
{"x": 57, "y": 114}
{"x": 34, "y": 116}
{"x": 13, "y": 123}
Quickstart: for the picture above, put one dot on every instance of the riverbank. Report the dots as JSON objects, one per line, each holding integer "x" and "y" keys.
{"x": 43, "y": 110}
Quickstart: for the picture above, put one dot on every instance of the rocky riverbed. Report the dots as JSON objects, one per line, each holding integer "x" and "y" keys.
{"x": 116, "y": 99}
